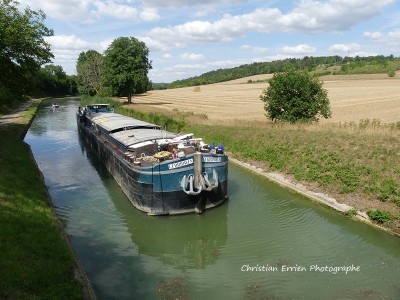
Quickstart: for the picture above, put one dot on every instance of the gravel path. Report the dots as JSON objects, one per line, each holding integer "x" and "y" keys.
{"x": 15, "y": 115}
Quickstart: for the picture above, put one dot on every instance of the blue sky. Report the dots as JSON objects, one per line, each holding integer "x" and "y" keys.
{"x": 188, "y": 38}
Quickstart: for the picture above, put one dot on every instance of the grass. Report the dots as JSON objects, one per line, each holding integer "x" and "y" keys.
{"x": 343, "y": 159}
{"x": 350, "y": 213}
{"x": 380, "y": 216}
{"x": 35, "y": 261}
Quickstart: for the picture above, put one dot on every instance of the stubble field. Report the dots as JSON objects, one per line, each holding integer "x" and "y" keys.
{"x": 352, "y": 97}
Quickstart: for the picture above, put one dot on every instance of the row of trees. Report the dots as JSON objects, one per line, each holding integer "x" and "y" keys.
{"x": 51, "y": 80}
{"x": 310, "y": 63}
{"x": 121, "y": 71}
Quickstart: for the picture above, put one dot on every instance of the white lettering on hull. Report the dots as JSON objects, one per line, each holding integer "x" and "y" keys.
{"x": 190, "y": 161}
{"x": 212, "y": 159}
{"x": 180, "y": 164}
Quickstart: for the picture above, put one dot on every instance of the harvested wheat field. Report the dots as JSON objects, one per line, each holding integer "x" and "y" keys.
{"x": 352, "y": 97}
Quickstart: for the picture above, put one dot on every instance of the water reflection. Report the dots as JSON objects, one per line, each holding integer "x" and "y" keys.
{"x": 59, "y": 116}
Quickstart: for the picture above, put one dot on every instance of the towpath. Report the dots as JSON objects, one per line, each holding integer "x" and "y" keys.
{"x": 15, "y": 115}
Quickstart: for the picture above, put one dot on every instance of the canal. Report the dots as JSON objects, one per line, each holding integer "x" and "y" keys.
{"x": 264, "y": 243}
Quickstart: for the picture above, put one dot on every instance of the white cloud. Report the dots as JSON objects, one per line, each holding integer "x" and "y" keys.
{"x": 103, "y": 45}
{"x": 316, "y": 16}
{"x": 225, "y": 29}
{"x": 344, "y": 48}
{"x": 190, "y": 67}
{"x": 254, "y": 49}
{"x": 90, "y": 11}
{"x": 149, "y": 15}
{"x": 185, "y": 3}
{"x": 394, "y": 34}
{"x": 302, "y": 49}
{"x": 118, "y": 11}
{"x": 64, "y": 42}
{"x": 66, "y": 50}
{"x": 352, "y": 49}
{"x": 167, "y": 56}
{"x": 155, "y": 45}
{"x": 374, "y": 35}
{"x": 308, "y": 17}
{"x": 62, "y": 10}
{"x": 192, "y": 56}
{"x": 379, "y": 36}
{"x": 229, "y": 63}
{"x": 390, "y": 40}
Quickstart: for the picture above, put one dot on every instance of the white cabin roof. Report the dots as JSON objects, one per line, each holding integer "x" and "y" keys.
{"x": 130, "y": 137}
{"x": 113, "y": 122}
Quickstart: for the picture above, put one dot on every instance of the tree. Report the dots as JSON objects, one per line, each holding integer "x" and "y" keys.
{"x": 23, "y": 48}
{"x": 294, "y": 96}
{"x": 126, "y": 66}
{"x": 72, "y": 83}
{"x": 89, "y": 72}
{"x": 52, "y": 81}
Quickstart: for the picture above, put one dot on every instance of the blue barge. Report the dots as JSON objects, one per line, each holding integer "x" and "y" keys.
{"x": 160, "y": 172}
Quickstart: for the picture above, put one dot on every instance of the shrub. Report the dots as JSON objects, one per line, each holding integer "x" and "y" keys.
{"x": 380, "y": 216}
{"x": 350, "y": 213}
{"x": 391, "y": 72}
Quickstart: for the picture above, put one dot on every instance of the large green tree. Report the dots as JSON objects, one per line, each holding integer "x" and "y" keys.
{"x": 89, "y": 72}
{"x": 126, "y": 66}
{"x": 23, "y": 48}
{"x": 294, "y": 96}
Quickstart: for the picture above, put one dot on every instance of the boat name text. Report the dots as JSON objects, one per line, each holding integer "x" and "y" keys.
{"x": 180, "y": 164}
{"x": 211, "y": 159}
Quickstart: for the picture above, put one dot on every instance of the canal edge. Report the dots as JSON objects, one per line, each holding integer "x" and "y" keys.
{"x": 314, "y": 196}
{"x": 79, "y": 272}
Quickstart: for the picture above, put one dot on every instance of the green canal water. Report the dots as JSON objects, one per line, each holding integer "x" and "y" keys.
{"x": 263, "y": 243}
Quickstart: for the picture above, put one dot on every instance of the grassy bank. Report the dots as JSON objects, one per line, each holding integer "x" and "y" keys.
{"x": 35, "y": 261}
{"x": 356, "y": 163}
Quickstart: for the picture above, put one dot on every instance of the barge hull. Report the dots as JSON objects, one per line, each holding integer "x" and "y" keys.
{"x": 144, "y": 196}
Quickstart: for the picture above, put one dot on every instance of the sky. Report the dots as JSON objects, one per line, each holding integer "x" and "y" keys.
{"x": 189, "y": 38}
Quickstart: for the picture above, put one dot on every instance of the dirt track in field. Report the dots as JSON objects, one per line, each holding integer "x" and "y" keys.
{"x": 352, "y": 98}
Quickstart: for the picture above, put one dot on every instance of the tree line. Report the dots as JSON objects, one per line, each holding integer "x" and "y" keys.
{"x": 346, "y": 65}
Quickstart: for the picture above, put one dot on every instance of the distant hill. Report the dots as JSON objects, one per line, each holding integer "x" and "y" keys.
{"x": 323, "y": 65}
